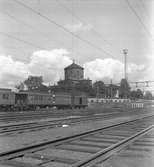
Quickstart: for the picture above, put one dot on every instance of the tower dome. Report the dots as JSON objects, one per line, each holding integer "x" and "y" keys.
{"x": 74, "y": 72}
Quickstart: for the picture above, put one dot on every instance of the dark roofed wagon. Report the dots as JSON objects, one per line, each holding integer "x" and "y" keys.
{"x": 12, "y": 101}
{"x": 7, "y": 99}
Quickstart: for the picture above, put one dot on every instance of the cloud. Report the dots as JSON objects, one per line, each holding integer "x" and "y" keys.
{"x": 78, "y": 27}
{"x": 11, "y": 72}
{"x": 49, "y": 64}
{"x": 106, "y": 69}
{"x": 148, "y": 73}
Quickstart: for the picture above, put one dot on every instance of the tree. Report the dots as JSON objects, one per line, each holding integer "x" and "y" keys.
{"x": 124, "y": 89}
{"x": 148, "y": 95}
{"x": 33, "y": 82}
{"x": 133, "y": 94}
{"x": 139, "y": 94}
{"x": 136, "y": 94}
{"x": 20, "y": 86}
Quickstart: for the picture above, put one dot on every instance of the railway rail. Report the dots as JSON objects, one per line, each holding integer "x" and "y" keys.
{"x": 80, "y": 150}
{"x": 31, "y": 115}
{"x": 54, "y": 123}
{"x": 16, "y": 117}
{"x": 48, "y": 124}
{"x": 137, "y": 153}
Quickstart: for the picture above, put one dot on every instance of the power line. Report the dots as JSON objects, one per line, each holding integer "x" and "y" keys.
{"x": 18, "y": 39}
{"x": 17, "y": 20}
{"x": 63, "y": 28}
{"x": 143, "y": 6}
{"x": 139, "y": 19}
{"x": 82, "y": 21}
{"x": 25, "y": 24}
{"x": 146, "y": 12}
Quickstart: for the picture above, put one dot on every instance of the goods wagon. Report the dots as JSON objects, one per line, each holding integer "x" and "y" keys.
{"x": 62, "y": 101}
{"x": 7, "y": 99}
{"x": 80, "y": 101}
{"x": 31, "y": 100}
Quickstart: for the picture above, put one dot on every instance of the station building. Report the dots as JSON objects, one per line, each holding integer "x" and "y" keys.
{"x": 74, "y": 72}
{"x": 73, "y": 78}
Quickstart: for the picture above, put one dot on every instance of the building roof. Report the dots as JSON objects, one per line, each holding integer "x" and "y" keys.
{"x": 5, "y": 89}
{"x": 73, "y": 65}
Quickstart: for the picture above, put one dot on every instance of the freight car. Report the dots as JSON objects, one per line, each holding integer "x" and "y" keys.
{"x": 10, "y": 100}
{"x": 79, "y": 101}
{"x": 31, "y": 100}
{"x": 7, "y": 99}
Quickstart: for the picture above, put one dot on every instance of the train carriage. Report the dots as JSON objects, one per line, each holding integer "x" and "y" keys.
{"x": 24, "y": 100}
{"x": 7, "y": 99}
{"x": 62, "y": 100}
{"x": 80, "y": 101}
{"x": 32, "y": 100}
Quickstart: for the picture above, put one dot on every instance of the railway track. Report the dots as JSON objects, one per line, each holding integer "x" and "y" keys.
{"x": 16, "y": 117}
{"x": 27, "y": 116}
{"x": 85, "y": 149}
{"x": 138, "y": 153}
{"x": 54, "y": 123}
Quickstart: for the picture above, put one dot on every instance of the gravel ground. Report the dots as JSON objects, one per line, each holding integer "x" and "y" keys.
{"x": 14, "y": 141}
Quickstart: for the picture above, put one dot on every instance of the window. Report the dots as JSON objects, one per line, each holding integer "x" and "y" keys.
{"x": 80, "y": 100}
{"x": 5, "y": 96}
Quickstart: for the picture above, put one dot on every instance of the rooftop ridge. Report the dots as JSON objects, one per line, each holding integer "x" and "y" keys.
{"x": 73, "y": 65}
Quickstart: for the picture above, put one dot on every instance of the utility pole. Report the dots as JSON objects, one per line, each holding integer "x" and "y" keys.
{"x": 125, "y": 51}
{"x": 97, "y": 92}
{"x": 111, "y": 89}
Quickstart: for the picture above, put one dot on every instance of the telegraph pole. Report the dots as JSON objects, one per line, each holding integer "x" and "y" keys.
{"x": 97, "y": 92}
{"x": 125, "y": 51}
{"x": 111, "y": 89}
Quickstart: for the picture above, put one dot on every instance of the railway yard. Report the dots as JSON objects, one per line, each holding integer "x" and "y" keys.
{"x": 76, "y": 83}
{"x": 84, "y": 137}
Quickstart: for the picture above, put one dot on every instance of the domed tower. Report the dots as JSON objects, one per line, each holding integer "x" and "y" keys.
{"x": 74, "y": 72}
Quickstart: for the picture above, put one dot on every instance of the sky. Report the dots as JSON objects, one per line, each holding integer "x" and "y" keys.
{"x": 42, "y": 37}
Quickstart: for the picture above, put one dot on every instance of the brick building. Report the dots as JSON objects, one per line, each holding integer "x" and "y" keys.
{"x": 74, "y": 72}
{"x": 73, "y": 78}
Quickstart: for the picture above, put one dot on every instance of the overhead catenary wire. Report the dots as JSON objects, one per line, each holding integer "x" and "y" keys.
{"x": 21, "y": 40}
{"x": 62, "y": 27}
{"x": 82, "y": 21}
{"x": 17, "y": 20}
{"x": 139, "y": 19}
{"x": 144, "y": 7}
{"x": 25, "y": 24}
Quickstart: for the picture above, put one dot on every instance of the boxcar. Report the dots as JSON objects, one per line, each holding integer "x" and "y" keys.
{"x": 7, "y": 99}
{"x": 62, "y": 100}
{"x": 32, "y": 100}
{"x": 80, "y": 101}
